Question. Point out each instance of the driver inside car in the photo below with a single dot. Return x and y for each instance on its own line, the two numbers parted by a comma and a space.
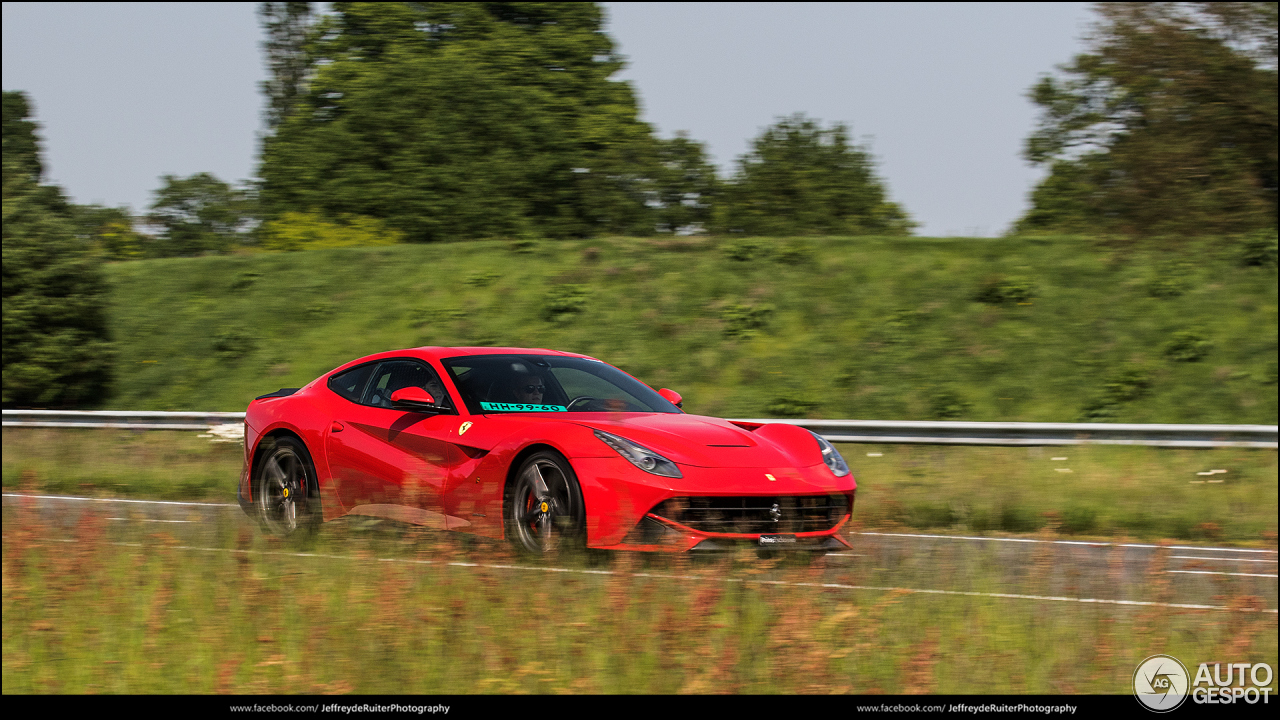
436, 390
529, 389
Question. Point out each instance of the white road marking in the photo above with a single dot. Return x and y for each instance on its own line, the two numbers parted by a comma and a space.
1219, 559
838, 586
704, 578
150, 520
1068, 542
1211, 572
118, 500
878, 534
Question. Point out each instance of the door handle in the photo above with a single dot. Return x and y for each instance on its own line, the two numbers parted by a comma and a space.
336, 426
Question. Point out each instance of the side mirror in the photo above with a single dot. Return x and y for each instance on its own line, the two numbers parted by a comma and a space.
413, 399
672, 397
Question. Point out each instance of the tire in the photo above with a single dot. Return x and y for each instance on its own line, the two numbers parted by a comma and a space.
285, 494
546, 523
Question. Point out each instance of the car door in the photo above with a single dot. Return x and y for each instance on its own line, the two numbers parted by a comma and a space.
386, 457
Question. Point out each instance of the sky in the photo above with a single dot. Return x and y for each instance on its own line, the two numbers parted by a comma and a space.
127, 92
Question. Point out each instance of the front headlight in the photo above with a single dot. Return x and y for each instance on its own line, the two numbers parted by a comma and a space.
640, 456
831, 457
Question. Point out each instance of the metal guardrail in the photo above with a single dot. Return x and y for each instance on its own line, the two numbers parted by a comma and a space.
850, 431
1038, 434
120, 419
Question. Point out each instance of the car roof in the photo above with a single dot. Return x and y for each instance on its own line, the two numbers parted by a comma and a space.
432, 352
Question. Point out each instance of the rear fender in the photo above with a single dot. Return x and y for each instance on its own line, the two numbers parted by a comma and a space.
267, 418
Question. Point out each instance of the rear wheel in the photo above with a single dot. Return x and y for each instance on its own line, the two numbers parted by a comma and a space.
545, 512
284, 489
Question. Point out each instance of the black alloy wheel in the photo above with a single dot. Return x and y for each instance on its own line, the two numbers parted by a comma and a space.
284, 489
545, 512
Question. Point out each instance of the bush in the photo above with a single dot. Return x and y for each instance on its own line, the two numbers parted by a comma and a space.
232, 345
564, 301
1099, 409
1001, 290
481, 278
1125, 385
1128, 384
1079, 519
1166, 286
308, 231
926, 515
846, 378
1015, 518
319, 309
980, 521
744, 249
1258, 249
1170, 279
796, 251
744, 320
947, 404
1187, 346
245, 279
523, 245
898, 327
789, 407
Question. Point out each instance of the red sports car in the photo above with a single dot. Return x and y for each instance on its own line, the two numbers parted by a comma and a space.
545, 448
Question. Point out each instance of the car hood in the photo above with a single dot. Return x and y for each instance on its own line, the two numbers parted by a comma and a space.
711, 442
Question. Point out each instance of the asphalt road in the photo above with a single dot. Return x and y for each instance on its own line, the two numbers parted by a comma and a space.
1030, 569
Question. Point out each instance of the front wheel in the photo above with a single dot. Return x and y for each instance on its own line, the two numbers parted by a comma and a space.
284, 489
545, 512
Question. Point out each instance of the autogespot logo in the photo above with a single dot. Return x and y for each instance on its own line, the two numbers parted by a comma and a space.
1160, 683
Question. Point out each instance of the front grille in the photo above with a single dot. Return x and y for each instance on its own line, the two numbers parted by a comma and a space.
755, 514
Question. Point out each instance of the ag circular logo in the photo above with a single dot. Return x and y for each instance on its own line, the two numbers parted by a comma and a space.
1161, 683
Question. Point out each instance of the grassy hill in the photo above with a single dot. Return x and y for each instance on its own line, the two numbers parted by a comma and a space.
1046, 329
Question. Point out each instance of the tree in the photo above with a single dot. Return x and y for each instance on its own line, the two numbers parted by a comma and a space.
56, 351
684, 184
199, 214
287, 25
1166, 125
464, 120
109, 231
21, 146
799, 178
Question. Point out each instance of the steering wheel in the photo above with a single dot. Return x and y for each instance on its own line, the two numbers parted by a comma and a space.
575, 401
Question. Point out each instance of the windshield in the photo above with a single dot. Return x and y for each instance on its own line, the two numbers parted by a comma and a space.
549, 383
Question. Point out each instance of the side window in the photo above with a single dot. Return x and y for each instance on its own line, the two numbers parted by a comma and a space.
395, 374
350, 384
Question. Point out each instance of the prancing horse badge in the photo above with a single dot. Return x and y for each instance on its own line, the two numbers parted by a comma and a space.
464, 427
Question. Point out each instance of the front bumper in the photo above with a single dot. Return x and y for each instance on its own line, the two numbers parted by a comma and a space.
658, 534
625, 506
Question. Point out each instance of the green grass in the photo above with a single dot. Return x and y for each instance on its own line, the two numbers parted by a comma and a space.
158, 465
1139, 492
87, 613
824, 327
1098, 490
